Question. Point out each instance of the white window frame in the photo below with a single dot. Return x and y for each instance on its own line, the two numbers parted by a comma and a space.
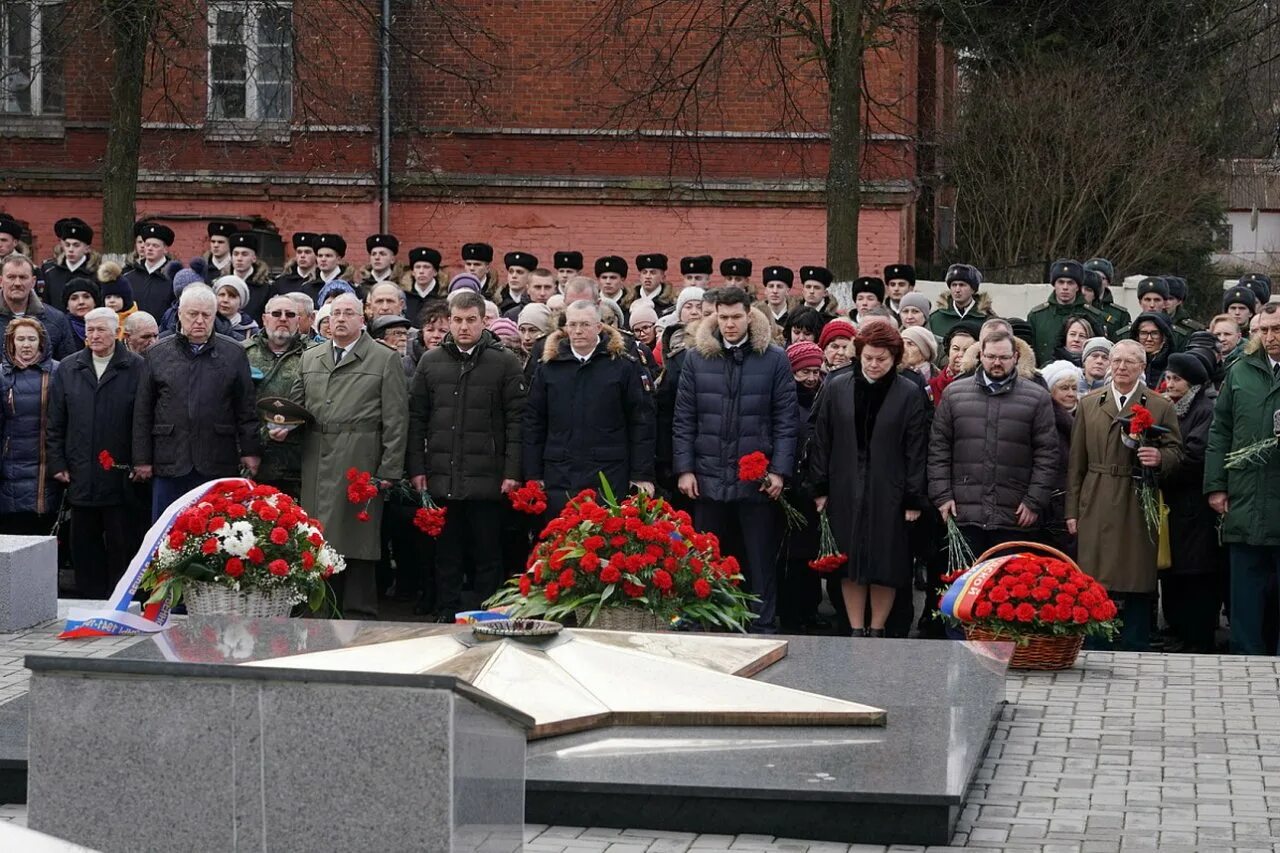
251, 9
37, 61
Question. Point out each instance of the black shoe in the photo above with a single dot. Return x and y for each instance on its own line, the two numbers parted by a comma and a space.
859, 632
875, 632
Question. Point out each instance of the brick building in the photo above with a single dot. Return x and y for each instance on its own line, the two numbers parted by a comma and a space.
504, 127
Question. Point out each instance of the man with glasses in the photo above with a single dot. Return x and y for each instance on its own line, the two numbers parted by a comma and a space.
1115, 544
275, 360
1248, 498
993, 451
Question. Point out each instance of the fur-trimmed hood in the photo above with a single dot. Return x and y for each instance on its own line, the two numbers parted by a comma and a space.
981, 298
364, 275
291, 268
1026, 359
90, 265
709, 344
612, 342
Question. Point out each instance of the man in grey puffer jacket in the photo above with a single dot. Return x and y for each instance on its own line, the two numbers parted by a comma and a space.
993, 451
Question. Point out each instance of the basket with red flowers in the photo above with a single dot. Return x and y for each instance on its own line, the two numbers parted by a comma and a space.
1037, 598
636, 556
245, 548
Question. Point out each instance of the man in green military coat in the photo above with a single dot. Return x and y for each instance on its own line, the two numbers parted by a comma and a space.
1248, 498
1183, 323
1046, 320
961, 301
354, 389
275, 361
1114, 315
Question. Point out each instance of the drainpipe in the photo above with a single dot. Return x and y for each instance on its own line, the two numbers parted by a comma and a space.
384, 141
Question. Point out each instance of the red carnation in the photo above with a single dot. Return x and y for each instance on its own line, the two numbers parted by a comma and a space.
526, 585
983, 610
610, 574
632, 590
279, 536
589, 562
256, 556
235, 567
552, 591
1080, 615
209, 546
1025, 612
278, 567
1005, 612
566, 579
1140, 421
177, 539
662, 580
362, 515
702, 588
105, 460
1048, 613
753, 467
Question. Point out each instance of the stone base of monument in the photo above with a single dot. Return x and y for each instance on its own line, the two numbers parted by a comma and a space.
125, 753
904, 783
28, 581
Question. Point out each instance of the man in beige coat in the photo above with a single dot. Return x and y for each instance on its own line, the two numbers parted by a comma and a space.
1103, 508
355, 391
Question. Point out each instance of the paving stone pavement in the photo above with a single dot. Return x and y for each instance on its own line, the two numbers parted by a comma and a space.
1123, 752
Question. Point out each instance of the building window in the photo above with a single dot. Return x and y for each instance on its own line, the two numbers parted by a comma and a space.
31, 56
250, 61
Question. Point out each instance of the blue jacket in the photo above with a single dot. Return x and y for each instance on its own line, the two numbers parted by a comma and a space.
731, 403
26, 480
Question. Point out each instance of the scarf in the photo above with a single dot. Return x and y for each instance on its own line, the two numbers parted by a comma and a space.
1181, 407
77, 327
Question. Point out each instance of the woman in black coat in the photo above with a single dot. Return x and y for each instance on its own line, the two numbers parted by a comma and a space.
88, 414
1190, 586
867, 460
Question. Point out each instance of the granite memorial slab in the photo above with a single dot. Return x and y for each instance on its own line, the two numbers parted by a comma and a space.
224, 757
28, 581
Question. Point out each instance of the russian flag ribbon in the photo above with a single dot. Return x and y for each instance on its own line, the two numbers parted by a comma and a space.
965, 591
116, 619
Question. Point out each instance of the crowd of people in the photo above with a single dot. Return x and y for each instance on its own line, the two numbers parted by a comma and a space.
904, 420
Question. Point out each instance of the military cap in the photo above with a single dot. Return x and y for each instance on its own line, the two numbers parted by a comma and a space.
73, 229
1153, 284
1093, 281
868, 284
568, 261
244, 240
524, 260
740, 267
379, 326
10, 227
1240, 295
1103, 266
305, 239
905, 272
611, 263
1067, 268
163, 233
782, 274
967, 273
282, 412
477, 252
1177, 286
383, 241
333, 241
1260, 284
222, 228
821, 274
695, 265
652, 261
424, 255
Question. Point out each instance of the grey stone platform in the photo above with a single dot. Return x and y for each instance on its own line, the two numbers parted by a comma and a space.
28, 581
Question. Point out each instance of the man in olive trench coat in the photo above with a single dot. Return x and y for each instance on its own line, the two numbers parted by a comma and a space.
354, 388
1103, 509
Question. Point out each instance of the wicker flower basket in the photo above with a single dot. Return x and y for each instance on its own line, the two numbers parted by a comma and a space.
1040, 652
206, 599
621, 619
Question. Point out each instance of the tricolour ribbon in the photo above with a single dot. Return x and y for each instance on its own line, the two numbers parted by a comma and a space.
965, 591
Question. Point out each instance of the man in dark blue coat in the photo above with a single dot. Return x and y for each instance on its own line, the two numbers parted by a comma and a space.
737, 396
590, 412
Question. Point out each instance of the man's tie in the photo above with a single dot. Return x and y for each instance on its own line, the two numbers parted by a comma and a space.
338, 353
1121, 402
1275, 370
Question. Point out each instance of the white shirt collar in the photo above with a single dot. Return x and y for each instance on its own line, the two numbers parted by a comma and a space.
226, 261
328, 278
965, 311
728, 345
651, 295
1127, 397
381, 277
430, 289
77, 264
157, 267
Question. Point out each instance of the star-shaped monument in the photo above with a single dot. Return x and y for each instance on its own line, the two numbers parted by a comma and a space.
582, 679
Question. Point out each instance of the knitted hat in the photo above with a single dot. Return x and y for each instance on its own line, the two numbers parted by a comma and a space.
804, 354
464, 281
118, 287
689, 294
642, 311
335, 288
1056, 371
837, 328
915, 299
1189, 367
535, 314
235, 282
923, 338
1095, 344
80, 284
321, 315
183, 278
504, 328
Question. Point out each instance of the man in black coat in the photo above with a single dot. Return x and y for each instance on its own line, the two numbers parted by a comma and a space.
195, 417
91, 412
737, 396
590, 412
151, 276
466, 404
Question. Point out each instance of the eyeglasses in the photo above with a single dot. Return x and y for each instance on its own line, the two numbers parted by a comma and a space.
1149, 333
1003, 359
282, 314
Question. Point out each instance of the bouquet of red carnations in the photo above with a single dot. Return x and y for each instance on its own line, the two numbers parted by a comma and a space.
362, 488
636, 553
529, 498
754, 468
829, 557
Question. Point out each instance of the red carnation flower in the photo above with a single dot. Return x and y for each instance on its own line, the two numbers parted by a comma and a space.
1025, 612
526, 585
983, 610
662, 580
552, 591
177, 539
279, 536
632, 590
362, 516
256, 556
610, 574
702, 588
209, 546
278, 567
1048, 613
234, 567
566, 579
753, 467
1005, 611
1080, 615
106, 461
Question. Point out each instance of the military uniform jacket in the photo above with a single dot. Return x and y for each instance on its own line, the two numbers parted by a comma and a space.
274, 376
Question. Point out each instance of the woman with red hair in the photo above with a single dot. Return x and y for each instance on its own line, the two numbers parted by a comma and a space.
867, 461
